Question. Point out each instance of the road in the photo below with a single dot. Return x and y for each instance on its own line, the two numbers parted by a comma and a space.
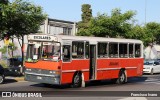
146, 83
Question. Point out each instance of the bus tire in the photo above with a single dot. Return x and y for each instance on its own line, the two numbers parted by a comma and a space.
77, 80
121, 78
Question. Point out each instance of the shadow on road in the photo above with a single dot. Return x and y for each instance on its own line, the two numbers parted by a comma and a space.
92, 83
52, 86
137, 79
7, 81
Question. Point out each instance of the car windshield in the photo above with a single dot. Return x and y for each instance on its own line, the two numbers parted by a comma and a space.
151, 63
148, 63
43, 50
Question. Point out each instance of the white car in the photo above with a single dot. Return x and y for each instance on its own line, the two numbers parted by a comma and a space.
151, 67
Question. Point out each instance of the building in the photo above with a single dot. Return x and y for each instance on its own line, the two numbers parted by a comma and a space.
49, 26
152, 52
55, 26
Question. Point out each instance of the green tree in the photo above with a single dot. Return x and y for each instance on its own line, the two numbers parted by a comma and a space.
22, 18
86, 17
152, 30
11, 47
3, 1
116, 25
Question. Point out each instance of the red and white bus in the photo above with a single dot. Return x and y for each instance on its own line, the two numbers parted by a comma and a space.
61, 59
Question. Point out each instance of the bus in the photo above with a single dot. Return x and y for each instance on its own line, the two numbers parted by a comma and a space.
62, 59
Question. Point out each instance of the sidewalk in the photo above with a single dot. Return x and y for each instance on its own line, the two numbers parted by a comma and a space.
18, 79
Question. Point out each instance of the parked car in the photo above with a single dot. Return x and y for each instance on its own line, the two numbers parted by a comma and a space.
2, 75
151, 67
14, 61
14, 66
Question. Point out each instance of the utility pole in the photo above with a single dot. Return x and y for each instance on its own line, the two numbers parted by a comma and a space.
145, 11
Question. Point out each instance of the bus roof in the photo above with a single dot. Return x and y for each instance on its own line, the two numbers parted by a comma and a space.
98, 39
88, 38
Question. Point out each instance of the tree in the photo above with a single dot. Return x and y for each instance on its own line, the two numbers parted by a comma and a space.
152, 30
2, 21
3, 1
22, 18
86, 17
11, 47
116, 25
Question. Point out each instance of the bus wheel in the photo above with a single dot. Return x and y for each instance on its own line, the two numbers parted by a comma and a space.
122, 77
77, 80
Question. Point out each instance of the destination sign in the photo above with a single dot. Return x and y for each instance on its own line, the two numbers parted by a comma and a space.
42, 38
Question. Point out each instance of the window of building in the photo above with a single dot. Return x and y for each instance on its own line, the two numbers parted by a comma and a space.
87, 50
131, 50
66, 53
123, 50
77, 50
113, 50
137, 50
102, 50
67, 31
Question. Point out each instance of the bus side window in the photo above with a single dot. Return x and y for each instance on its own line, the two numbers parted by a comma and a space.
131, 53
137, 50
66, 53
123, 50
87, 50
78, 50
113, 50
102, 50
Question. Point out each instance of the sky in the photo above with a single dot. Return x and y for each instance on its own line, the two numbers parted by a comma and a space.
70, 10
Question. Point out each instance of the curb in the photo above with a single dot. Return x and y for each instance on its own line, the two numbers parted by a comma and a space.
19, 79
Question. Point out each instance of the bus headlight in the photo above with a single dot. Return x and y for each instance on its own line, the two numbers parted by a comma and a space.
28, 69
55, 72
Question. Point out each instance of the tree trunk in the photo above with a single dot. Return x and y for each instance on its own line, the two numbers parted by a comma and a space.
22, 52
12, 42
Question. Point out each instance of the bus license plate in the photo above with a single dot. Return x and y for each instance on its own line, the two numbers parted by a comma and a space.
38, 77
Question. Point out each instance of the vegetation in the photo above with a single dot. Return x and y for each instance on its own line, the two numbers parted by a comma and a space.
116, 25
11, 47
3, 63
86, 17
20, 18
119, 25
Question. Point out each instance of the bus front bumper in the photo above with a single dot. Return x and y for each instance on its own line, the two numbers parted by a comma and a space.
41, 78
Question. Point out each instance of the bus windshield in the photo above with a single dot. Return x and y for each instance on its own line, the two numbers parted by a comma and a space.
44, 51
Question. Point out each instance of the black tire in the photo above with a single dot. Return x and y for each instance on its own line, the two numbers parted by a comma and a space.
2, 77
152, 71
122, 77
77, 80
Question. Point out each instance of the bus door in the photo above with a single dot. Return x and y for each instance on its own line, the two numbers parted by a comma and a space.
92, 70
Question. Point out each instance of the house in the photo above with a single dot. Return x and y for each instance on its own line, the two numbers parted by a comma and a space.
152, 52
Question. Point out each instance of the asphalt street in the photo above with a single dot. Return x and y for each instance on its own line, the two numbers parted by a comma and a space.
96, 89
